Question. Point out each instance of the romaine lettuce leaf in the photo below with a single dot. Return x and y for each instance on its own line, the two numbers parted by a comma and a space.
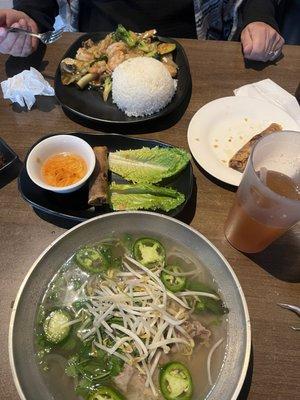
148, 165
144, 197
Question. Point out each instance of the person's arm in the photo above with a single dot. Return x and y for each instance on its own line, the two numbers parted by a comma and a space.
43, 12
260, 38
260, 11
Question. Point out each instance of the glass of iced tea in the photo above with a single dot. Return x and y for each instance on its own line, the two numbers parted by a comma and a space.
267, 202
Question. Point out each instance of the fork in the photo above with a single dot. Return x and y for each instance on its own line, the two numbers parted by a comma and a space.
47, 37
295, 309
290, 307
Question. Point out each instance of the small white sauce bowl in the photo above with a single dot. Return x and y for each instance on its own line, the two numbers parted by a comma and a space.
55, 145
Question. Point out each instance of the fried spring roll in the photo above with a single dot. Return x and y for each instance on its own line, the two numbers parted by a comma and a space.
99, 182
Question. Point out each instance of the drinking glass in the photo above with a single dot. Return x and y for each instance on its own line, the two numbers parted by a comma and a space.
267, 202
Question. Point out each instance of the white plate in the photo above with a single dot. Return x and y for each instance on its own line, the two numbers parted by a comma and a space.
223, 126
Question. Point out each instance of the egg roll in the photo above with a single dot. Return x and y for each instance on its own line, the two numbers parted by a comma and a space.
240, 158
99, 181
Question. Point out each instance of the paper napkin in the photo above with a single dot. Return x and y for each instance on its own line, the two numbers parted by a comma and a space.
22, 88
269, 91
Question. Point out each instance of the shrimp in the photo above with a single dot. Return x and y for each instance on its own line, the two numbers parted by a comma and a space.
171, 69
116, 53
116, 47
170, 65
105, 43
98, 67
84, 55
115, 60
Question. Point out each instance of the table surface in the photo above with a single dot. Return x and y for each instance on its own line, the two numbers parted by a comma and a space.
267, 278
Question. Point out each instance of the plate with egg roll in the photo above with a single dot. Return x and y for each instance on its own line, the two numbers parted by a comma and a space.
223, 132
130, 174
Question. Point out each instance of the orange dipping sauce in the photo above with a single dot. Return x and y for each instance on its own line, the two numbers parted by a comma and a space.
63, 169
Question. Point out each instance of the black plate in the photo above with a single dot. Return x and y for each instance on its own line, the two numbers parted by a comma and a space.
88, 104
73, 207
10, 157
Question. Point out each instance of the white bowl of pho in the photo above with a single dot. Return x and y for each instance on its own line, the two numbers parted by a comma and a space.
130, 305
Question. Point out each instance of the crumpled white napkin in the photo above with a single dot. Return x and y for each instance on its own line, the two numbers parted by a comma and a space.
22, 88
273, 93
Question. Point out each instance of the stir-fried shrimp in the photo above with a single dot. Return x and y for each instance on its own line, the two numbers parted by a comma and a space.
84, 55
103, 44
116, 54
116, 48
170, 65
115, 60
171, 69
95, 61
98, 67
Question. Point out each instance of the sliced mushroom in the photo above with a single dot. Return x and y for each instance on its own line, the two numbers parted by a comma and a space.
68, 65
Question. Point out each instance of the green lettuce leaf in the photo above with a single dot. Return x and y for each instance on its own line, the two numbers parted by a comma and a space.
148, 165
144, 197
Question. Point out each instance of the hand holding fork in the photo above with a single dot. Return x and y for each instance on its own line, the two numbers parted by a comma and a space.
19, 34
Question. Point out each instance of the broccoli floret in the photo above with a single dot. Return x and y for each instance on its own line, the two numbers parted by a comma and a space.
126, 36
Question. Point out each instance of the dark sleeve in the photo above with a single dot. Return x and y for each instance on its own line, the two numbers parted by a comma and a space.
43, 12
260, 11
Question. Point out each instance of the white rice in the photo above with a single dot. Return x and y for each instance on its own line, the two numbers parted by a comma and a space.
142, 86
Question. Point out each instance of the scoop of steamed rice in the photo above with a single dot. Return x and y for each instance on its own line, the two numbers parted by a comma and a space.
142, 86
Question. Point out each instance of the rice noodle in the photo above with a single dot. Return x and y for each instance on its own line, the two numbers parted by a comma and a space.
194, 293
122, 274
173, 273
183, 256
210, 354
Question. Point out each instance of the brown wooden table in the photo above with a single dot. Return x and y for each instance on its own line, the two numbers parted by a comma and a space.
268, 278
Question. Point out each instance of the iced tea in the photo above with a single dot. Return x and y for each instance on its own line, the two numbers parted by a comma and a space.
268, 201
247, 233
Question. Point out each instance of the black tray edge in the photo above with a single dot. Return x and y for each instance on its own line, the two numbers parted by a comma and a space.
14, 155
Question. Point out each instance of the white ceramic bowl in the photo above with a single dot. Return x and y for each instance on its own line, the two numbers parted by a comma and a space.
54, 145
